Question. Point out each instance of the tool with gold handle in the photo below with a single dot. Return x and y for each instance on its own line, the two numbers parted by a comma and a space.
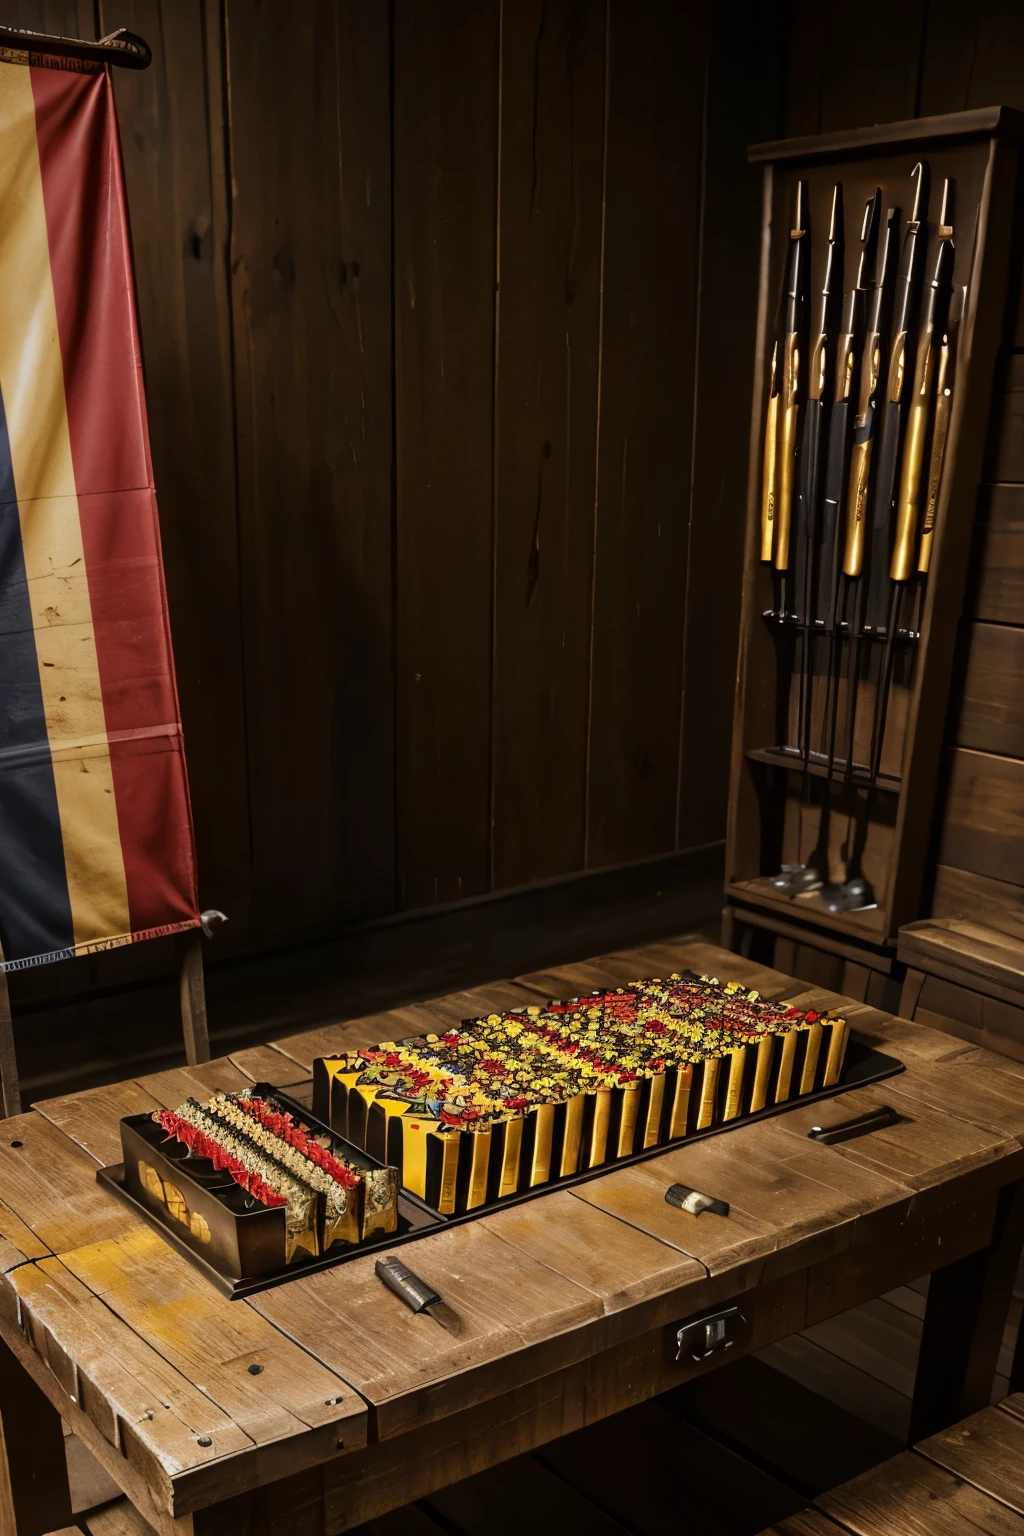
902, 564
865, 419
860, 472
790, 388
831, 582
894, 408
830, 574
771, 430
793, 878
944, 371
855, 891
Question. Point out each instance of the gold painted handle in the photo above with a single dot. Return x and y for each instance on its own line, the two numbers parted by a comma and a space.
817, 370
860, 461
897, 358
844, 366
857, 507
943, 410
907, 504
787, 450
768, 479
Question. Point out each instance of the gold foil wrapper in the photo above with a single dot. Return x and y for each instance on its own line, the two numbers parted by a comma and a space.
544, 1122
380, 1201
341, 1217
508, 1181
655, 1109
458, 1170
708, 1093
572, 1141
627, 1119
480, 1157
785, 1079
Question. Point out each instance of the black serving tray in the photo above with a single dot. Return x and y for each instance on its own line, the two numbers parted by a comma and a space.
416, 1219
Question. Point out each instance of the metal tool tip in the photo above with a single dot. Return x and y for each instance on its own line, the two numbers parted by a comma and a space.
800, 213
944, 215
871, 211
918, 172
835, 209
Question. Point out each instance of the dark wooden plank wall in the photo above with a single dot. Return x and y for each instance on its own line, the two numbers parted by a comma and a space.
443, 304
946, 56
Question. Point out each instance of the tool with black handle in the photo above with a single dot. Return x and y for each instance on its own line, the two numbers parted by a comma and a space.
836, 464
795, 878
416, 1293
855, 892
865, 420
879, 1119
901, 364
827, 608
902, 564
864, 426
855, 530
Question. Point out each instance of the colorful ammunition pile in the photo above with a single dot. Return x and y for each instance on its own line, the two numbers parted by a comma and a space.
510, 1101
281, 1162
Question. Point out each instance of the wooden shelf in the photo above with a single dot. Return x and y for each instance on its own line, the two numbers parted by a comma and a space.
885, 829
870, 924
790, 759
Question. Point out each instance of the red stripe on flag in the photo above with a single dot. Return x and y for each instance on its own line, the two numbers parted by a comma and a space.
90, 263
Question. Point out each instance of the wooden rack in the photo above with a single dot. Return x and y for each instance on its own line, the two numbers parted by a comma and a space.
773, 819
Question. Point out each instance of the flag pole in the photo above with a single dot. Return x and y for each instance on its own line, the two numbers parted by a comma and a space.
119, 47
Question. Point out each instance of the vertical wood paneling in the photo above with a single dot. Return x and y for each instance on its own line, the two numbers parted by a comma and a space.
991, 35
651, 248
806, 27
174, 149
552, 135
983, 823
445, 210
975, 57
945, 56
996, 591
384, 485
311, 295
742, 108
64, 18
950, 54
991, 714
876, 84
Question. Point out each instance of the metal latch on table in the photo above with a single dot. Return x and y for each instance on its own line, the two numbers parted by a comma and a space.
712, 1334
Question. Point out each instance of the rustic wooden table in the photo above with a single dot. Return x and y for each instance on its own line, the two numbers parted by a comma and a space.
324, 1402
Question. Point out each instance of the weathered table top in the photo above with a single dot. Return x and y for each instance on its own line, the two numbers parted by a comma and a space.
161, 1371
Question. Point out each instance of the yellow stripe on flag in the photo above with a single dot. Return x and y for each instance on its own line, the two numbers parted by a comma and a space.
32, 384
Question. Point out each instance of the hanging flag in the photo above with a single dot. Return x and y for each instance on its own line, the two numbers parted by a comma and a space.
96, 845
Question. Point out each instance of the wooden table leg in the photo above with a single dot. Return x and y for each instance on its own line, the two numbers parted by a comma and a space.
193, 998
968, 1303
34, 1493
10, 1090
